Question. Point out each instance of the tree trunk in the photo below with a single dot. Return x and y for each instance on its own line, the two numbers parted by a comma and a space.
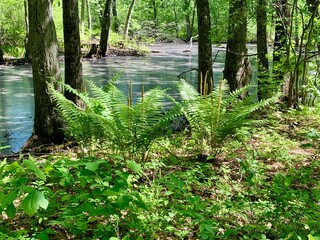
176, 18
237, 66
264, 86
105, 28
115, 25
89, 19
279, 47
45, 68
93, 51
205, 74
126, 26
72, 51
83, 7
27, 54
155, 14
189, 21
1, 51
282, 49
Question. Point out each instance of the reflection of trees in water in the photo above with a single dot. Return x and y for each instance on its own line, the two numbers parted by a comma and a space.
157, 70
16, 102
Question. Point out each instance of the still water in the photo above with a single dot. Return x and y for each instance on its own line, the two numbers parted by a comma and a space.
159, 69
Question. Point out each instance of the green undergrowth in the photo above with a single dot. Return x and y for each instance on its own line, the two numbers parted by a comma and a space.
263, 185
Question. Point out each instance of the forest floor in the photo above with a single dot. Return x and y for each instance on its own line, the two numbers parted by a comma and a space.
263, 184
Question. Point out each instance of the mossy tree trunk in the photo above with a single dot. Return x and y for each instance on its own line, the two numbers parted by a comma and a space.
72, 50
237, 66
280, 46
45, 69
264, 84
205, 74
105, 28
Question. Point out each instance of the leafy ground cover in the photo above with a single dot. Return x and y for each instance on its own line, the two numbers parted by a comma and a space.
263, 184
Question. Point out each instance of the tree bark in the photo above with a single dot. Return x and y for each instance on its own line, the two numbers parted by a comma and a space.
279, 47
45, 69
126, 26
155, 14
237, 65
105, 28
27, 53
205, 74
1, 51
115, 25
72, 50
89, 19
264, 88
189, 20
83, 7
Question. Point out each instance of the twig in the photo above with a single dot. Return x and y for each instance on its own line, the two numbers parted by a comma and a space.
189, 70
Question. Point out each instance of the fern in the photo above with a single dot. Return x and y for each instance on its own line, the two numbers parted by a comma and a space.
214, 117
111, 119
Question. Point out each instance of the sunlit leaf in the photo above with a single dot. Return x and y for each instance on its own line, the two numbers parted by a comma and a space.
135, 167
92, 166
310, 237
33, 201
34, 168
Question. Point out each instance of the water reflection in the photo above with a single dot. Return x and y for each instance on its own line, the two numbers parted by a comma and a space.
16, 106
157, 70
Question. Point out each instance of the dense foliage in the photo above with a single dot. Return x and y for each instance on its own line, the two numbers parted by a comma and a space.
263, 185
151, 21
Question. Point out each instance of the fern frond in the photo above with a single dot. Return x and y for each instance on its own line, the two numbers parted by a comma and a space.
187, 91
212, 118
110, 120
69, 110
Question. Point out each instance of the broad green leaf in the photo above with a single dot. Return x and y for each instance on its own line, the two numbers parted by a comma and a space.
27, 189
287, 181
123, 201
43, 236
110, 192
65, 198
33, 167
48, 169
33, 201
13, 167
310, 237
11, 211
92, 166
135, 167
7, 200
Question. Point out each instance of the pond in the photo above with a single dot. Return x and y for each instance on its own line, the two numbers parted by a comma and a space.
159, 69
